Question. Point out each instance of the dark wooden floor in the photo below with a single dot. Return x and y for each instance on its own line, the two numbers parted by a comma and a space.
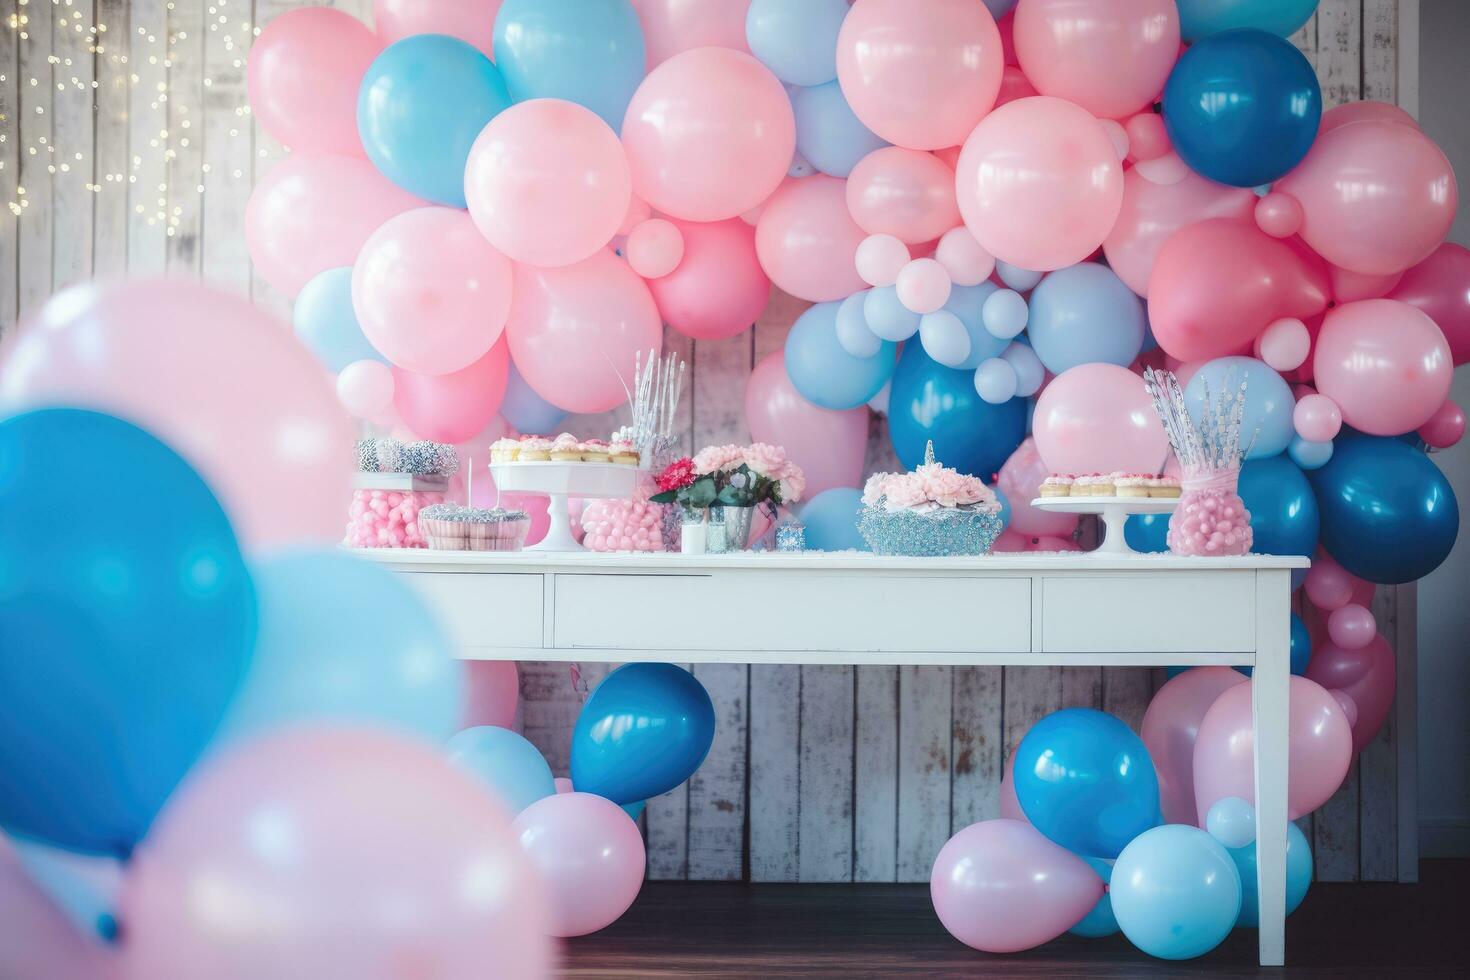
702, 929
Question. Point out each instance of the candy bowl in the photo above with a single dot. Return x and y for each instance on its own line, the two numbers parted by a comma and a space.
450, 527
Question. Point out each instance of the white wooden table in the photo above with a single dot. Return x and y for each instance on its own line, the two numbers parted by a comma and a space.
849, 608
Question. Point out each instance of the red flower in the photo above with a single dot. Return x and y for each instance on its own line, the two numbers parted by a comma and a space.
679, 474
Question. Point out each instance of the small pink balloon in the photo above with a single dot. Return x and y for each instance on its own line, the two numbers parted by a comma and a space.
905, 193
1147, 138
718, 288
1445, 427
472, 21
1349, 287
1151, 212
365, 388
923, 286
1285, 344
1020, 480
1317, 418
1350, 112
1349, 706
807, 241
655, 248
1168, 168
637, 213
965, 259
492, 692
303, 75
1366, 674
1278, 215
1096, 418
1352, 627
828, 445
1001, 887
589, 855
1170, 727
1385, 363
452, 407
1438, 287
1117, 135
1329, 586
880, 258
672, 26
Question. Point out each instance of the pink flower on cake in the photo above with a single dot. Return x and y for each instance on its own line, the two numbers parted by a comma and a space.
766, 460
905, 490
950, 488
875, 488
712, 459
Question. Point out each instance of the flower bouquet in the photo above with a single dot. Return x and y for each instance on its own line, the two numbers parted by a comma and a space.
931, 512
733, 480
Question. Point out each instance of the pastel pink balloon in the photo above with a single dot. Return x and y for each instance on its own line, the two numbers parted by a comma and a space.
1001, 887
1350, 112
807, 241
1096, 418
923, 286
709, 134
563, 784
718, 289
966, 261
1050, 543
828, 445
36, 937
1385, 364
1445, 427
1329, 586
1020, 480
1148, 139
1110, 58
222, 382
1279, 215
365, 388
1170, 727
901, 192
1039, 183
1320, 748
452, 407
492, 693
1151, 212
1377, 196
1366, 674
472, 21
576, 330
880, 258
547, 182
336, 852
919, 75
1285, 344
1348, 287
312, 213
1013, 86
1168, 168
589, 855
1352, 627
429, 292
1440, 286
303, 75
1317, 418
672, 26
655, 248
1349, 706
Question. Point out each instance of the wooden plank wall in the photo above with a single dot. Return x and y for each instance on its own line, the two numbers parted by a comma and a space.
126, 146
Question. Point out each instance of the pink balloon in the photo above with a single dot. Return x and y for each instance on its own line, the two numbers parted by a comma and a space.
807, 241
828, 445
1285, 344
365, 388
1096, 418
1279, 215
472, 21
919, 75
588, 853
313, 213
655, 248
563, 784
1013, 86
672, 26
1440, 286
1350, 112
1445, 427
1377, 196
1317, 418
1049, 543
429, 292
336, 852
1348, 287
452, 407
966, 261
575, 330
1217, 283
923, 286
1367, 675
303, 75
221, 381
905, 193
1110, 58
718, 288
492, 693
709, 134
1039, 183
1329, 586
1352, 627
880, 258
1320, 749
547, 182
1170, 727
1384, 363
1020, 480
1151, 212
1149, 140
536, 506
36, 937
1001, 887
1348, 705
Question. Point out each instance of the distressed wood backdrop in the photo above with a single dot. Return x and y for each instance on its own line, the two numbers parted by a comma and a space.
126, 147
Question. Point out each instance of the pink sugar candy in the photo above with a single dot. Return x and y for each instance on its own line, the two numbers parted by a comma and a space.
394, 499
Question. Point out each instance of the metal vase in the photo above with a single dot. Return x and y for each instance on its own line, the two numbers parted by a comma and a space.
737, 528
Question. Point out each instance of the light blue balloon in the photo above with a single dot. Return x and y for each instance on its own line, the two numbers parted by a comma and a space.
505, 763
1307, 454
422, 103
1005, 314
1030, 372
326, 323
1084, 314
800, 166
585, 51
831, 520
796, 39
1232, 822
944, 337
1017, 278
852, 328
1100, 921
525, 409
824, 373
1268, 401
83, 886
968, 303
1298, 876
996, 381
1201, 18
1005, 505
1176, 892
887, 317
828, 132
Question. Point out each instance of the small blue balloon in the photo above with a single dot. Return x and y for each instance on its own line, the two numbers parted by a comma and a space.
823, 372
930, 401
1309, 455
796, 39
1084, 314
525, 409
1085, 780
996, 381
585, 51
852, 328
831, 520
422, 103
945, 338
1268, 401
1100, 921
1005, 505
887, 317
968, 304
1030, 372
1283, 509
1201, 18
1232, 822
1298, 876
1005, 314
327, 324
1017, 278
1301, 650
828, 132
1176, 892
645, 729
505, 763
1147, 533
1242, 108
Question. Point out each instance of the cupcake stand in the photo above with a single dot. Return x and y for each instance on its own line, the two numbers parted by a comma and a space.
1114, 512
560, 481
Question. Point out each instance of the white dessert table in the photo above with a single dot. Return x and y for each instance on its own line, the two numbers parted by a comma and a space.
1023, 609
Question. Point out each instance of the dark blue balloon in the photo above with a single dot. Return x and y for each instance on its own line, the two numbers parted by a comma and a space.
1284, 519
644, 730
126, 624
930, 401
1301, 650
1242, 107
1147, 532
1086, 781
1388, 513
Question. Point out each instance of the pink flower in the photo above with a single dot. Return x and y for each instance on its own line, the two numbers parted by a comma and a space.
905, 490
678, 474
873, 490
712, 459
950, 488
766, 460
793, 485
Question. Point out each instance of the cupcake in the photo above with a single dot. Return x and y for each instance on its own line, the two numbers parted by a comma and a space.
1131, 484
1102, 486
595, 451
621, 451
1163, 486
566, 448
534, 449
504, 450
451, 527
1057, 485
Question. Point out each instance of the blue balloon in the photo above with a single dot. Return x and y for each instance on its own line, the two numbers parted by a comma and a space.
634, 810
1242, 108
1388, 513
968, 303
1147, 533
1084, 314
585, 51
344, 640
828, 132
1301, 650
1232, 822
831, 520
887, 317
1268, 401
1085, 780
1005, 505
124, 639
422, 103
1100, 921
1176, 892
999, 8
796, 39
505, 763
1298, 876
83, 886
930, 401
327, 324
823, 372
852, 327
645, 729
525, 409
1201, 18
1309, 455
1283, 508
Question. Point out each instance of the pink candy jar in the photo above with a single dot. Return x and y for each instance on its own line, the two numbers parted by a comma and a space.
384, 512
1211, 519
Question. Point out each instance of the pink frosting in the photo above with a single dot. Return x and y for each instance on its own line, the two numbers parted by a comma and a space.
765, 459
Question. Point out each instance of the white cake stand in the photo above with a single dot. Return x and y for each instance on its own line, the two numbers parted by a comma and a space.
1114, 512
560, 481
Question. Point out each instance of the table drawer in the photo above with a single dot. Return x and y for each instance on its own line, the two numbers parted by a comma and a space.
767, 610
1181, 612
481, 611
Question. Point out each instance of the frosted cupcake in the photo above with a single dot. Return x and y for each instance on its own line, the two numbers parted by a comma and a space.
595, 451
1163, 486
566, 448
1057, 485
1132, 484
504, 450
534, 449
621, 451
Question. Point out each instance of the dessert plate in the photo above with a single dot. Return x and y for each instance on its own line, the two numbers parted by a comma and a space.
1114, 512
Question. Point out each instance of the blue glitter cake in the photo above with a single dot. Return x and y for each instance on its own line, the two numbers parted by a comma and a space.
932, 512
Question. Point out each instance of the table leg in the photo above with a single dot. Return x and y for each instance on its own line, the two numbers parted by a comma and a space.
1270, 700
